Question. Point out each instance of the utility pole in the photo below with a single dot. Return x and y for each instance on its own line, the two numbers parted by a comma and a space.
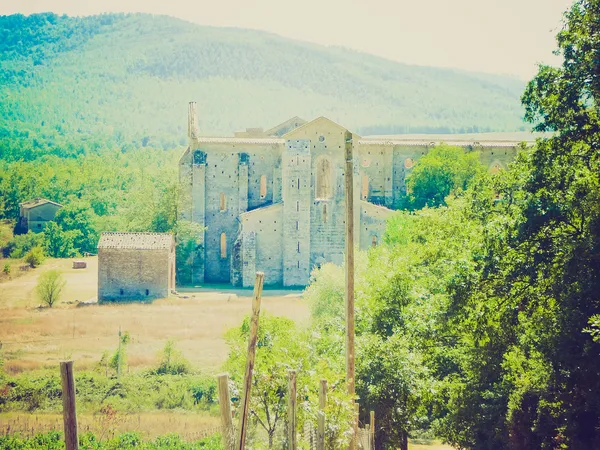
350, 323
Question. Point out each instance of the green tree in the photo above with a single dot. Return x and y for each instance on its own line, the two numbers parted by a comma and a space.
60, 243
442, 171
49, 287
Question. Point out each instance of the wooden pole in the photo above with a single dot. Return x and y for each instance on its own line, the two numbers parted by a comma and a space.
350, 324
225, 407
245, 406
69, 410
292, 444
372, 422
321, 421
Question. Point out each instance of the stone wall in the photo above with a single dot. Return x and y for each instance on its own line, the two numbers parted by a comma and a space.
131, 274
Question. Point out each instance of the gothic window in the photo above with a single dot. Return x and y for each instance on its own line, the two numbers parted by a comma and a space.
223, 246
365, 187
223, 202
374, 241
323, 179
263, 186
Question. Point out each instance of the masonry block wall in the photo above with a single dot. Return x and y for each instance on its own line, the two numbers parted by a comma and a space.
134, 274
275, 203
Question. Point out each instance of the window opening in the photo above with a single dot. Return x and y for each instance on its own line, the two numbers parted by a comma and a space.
365, 187
263, 186
223, 246
323, 179
223, 202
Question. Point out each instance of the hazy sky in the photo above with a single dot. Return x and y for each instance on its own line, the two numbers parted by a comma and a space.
497, 36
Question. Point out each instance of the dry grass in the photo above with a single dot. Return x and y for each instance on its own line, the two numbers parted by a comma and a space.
434, 446
190, 426
35, 338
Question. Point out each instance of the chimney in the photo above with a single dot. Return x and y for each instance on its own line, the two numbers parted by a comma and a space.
192, 121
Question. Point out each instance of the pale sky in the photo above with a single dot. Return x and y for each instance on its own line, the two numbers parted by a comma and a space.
494, 36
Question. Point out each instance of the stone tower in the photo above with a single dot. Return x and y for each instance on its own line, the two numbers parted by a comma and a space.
296, 162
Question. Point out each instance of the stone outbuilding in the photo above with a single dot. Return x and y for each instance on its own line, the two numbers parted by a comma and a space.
135, 266
35, 214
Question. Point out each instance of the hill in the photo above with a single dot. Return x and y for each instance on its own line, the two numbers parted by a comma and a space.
72, 85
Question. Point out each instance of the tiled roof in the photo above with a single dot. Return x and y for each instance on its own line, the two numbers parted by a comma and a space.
427, 143
138, 241
37, 202
233, 140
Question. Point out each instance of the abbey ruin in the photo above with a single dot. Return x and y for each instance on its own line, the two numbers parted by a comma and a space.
274, 200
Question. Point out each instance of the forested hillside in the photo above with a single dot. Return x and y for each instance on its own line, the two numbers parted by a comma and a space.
77, 85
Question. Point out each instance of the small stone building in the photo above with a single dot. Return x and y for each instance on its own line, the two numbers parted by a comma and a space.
135, 266
35, 214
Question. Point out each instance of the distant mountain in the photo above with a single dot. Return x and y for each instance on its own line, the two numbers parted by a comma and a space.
70, 85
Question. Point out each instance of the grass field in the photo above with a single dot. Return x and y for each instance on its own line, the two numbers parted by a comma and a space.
36, 337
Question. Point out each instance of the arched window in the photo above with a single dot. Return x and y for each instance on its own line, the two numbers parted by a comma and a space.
365, 187
223, 202
263, 186
297, 205
223, 246
374, 241
323, 179
325, 213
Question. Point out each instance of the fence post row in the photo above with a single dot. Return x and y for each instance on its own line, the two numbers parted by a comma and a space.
258, 287
69, 410
225, 408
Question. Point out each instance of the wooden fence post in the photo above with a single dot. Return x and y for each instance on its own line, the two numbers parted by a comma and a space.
245, 406
349, 262
321, 421
372, 421
292, 444
69, 410
225, 407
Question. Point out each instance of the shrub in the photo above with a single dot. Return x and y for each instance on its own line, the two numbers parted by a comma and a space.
6, 269
35, 256
49, 287
172, 361
21, 244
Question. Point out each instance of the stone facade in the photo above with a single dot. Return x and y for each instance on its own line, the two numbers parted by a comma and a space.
274, 201
135, 266
35, 214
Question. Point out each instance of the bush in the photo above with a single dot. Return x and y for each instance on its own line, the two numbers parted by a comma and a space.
35, 256
20, 245
172, 361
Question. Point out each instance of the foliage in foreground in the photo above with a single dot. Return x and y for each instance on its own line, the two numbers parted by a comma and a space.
126, 441
281, 347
